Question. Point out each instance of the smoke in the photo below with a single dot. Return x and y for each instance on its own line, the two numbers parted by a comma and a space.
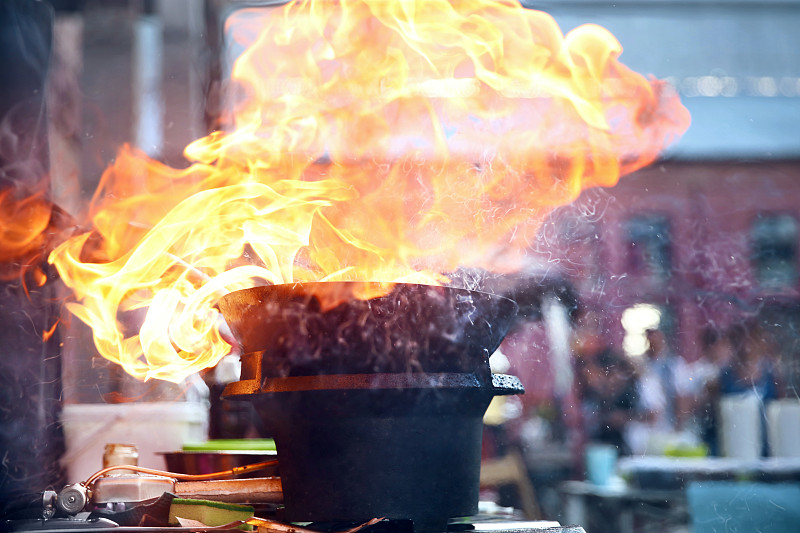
25, 37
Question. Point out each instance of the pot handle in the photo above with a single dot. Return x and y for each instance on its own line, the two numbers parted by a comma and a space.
504, 385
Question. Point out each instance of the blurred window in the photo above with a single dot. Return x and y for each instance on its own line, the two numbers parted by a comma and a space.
649, 246
774, 250
782, 321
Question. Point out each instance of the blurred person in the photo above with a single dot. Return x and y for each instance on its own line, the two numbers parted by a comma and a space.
610, 399
754, 369
667, 369
604, 384
588, 339
662, 403
753, 366
715, 353
701, 385
588, 342
593, 364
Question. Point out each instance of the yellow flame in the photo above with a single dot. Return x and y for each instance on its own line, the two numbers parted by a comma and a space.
372, 141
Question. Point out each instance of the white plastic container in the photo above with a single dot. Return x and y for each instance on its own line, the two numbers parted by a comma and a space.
741, 429
783, 427
152, 427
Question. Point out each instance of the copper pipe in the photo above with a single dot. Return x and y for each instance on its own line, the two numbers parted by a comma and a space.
185, 477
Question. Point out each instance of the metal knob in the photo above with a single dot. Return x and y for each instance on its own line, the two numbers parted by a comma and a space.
73, 498
49, 499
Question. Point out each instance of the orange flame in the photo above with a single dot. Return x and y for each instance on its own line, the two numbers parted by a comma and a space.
26, 232
372, 141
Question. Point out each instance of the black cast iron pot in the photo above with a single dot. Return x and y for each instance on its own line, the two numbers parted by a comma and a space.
381, 421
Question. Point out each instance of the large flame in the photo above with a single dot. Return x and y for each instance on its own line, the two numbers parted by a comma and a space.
372, 140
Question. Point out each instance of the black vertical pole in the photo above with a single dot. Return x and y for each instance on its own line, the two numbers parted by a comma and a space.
31, 441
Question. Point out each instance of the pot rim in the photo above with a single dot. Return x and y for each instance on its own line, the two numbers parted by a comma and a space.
501, 384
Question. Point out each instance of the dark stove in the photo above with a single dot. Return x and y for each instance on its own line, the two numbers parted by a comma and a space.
376, 406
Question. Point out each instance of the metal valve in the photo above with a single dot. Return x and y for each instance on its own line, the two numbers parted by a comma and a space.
73, 498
